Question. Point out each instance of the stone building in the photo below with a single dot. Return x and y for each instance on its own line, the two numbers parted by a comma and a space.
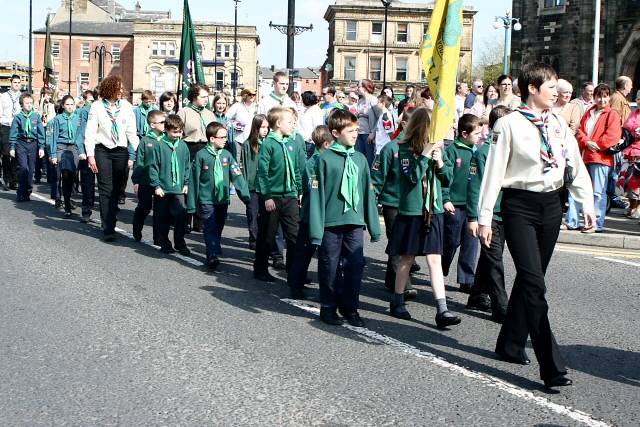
8, 69
560, 33
356, 42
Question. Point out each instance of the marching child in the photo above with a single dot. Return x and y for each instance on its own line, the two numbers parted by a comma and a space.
386, 125
454, 198
142, 111
65, 144
342, 203
280, 189
249, 164
170, 171
212, 171
488, 291
26, 141
87, 177
418, 227
322, 139
141, 177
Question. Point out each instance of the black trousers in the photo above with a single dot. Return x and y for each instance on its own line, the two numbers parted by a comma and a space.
456, 235
286, 214
304, 251
489, 277
145, 204
9, 164
168, 211
532, 224
88, 187
252, 216
389, 213
112, 167
26, 153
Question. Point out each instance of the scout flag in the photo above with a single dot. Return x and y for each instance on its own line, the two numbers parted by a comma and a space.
440, 54
190, 67
48, 78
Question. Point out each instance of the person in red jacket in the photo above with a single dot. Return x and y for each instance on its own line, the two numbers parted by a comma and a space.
600, 128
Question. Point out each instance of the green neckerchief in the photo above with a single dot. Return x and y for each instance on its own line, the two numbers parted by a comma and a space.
145, 111
349, 184
152, 134
175, 169
461, 144
280, 99
288, 162
199, 111
27, 127
218, 176
70, 129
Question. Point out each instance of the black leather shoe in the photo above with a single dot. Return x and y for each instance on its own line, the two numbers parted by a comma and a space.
399, 311
184, 251
330, 317
121, 200
465, 288
415, 267
410, 294
498, 317
278, 264
443, 321
252, 246
264, 277
58, 204
213, 262
109, 238
167, 250
353, 319
506, 358
479, 302
559, 381
297, 293
137, 236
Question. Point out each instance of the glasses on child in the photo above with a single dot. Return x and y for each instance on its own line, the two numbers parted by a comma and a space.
222, 137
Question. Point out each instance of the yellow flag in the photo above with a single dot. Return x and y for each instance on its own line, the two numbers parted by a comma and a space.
440, 54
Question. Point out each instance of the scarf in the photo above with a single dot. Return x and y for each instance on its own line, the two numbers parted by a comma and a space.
71, 130
175, 169
280, 99
145, 112
27, 126
349, 184
540, 121
288, 162
198, 110
113, 116
151, 134
218, 176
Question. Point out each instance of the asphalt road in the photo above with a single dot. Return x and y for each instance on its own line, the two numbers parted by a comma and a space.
118, 334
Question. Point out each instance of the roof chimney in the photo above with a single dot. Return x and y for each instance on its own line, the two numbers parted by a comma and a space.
138, 7
273, 68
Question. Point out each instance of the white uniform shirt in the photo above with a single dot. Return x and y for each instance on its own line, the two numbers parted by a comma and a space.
239, 112
10, 107
98, 130
309, 121
268, 102
514, 162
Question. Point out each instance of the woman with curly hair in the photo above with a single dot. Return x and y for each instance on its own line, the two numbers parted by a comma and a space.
110, 129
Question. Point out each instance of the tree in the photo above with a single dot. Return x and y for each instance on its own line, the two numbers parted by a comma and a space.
488, 59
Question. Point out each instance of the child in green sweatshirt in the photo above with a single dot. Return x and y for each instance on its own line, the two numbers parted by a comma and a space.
169, 174
454, 197
249, 164
342, 203
214, 168
141, 178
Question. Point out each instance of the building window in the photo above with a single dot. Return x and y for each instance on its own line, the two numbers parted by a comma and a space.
219, 80
163, 49
200, 49
84, 78
115, 52
553, 3
401, 69
234, 79
237, 52
403, 35
55, 49
227, 51
170, 79
376, 32
218, 51
350, 68
84, 51
423, 76
375, 68
352, 30
157, 85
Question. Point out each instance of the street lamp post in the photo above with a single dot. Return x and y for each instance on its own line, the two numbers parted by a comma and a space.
507, 22
30, 44
386, 4
235, 52
70, 20
99, 53
215, 62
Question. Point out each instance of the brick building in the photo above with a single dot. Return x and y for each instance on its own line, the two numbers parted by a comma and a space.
304, 79
560, 33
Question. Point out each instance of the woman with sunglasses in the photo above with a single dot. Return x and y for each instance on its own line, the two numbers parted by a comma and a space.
506, 96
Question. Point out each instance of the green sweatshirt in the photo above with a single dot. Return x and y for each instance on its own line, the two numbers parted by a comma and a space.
457, 169
271, 176
309, 176
327, 206
385, 177
412, 171
202, 189
249, 164
160, 168
144, 158
476, 172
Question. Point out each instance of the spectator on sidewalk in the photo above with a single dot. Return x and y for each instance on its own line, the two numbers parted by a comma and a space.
507, 97
585, 101
570, 112
476, 92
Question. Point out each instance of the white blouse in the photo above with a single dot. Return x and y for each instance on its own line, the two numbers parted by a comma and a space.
98, 130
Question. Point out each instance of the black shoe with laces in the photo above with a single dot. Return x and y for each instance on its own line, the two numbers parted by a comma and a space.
353, 319
213, 262
330, 317
167, 250
58, 204
479, 302
264, 277
278, 264
184, 251
297, 293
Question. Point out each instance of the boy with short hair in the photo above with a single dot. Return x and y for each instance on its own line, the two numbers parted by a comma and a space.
26, 141
142, 111
279, 186
454, 198
87, 177
212, 171
322, 139
342, 202
141, 178
169, 174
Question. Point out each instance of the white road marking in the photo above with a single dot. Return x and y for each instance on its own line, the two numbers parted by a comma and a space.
620, 261
574, 414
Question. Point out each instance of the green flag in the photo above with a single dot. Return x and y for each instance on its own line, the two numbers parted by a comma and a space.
190, 63
48, 78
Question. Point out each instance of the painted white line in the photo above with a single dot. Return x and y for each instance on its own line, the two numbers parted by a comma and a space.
620, 261
574, 414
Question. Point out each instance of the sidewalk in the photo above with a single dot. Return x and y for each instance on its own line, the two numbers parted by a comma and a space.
619, 232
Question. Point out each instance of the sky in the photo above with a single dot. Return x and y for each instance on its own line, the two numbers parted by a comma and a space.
310, 50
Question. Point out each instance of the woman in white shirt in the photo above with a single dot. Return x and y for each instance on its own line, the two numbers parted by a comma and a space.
531, 151
110, 129
240, 116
